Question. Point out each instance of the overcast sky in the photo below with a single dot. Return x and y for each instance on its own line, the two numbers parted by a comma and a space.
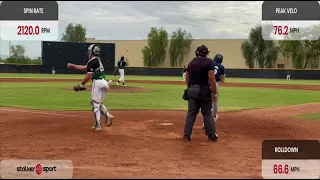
132, 20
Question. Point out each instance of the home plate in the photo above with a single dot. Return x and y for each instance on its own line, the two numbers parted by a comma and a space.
165, 124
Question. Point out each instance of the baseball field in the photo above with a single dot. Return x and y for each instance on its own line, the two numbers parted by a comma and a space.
43, 118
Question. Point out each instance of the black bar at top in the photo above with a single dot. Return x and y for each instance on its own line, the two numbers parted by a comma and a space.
285, 149
15, 10
306, 10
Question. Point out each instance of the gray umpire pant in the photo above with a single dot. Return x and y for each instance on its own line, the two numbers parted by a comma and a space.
194, 106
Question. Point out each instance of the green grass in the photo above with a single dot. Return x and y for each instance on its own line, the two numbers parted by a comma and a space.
315, 116
80, 76
50, 96
273, 81
162, 78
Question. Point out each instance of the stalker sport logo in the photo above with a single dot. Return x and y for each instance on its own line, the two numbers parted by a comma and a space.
38, 169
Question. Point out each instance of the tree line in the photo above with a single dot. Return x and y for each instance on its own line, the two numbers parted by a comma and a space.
154, 54
18, 56
263, 53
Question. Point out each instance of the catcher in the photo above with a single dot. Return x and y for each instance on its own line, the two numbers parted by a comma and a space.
95, 72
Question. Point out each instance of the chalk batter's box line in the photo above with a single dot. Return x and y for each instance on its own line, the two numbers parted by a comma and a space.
39, 112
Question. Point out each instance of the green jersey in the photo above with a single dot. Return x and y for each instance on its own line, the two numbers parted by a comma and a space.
95, 66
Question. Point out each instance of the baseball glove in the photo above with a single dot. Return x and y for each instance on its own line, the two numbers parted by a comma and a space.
79, 88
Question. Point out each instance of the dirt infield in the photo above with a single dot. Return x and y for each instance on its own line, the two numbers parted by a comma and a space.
114, 88
228, 84
138, 146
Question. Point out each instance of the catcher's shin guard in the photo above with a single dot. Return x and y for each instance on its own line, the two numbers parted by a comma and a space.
105, 112
96, 113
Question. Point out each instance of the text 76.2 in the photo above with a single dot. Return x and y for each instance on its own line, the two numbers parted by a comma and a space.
279, 30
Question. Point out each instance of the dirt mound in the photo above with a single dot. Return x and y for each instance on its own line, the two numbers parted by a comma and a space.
228, 84
114, 88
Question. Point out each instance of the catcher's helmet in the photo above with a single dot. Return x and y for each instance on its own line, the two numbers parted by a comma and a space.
218, 58
203, 50
93, 49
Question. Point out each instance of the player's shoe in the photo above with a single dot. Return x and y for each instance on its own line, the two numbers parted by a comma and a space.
109, 120
186, 138
96, 129
213, 137
124, 85
117, 84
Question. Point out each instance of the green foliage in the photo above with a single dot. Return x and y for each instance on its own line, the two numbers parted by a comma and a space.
36, 61
26, 60
18, 56
147, 57
179, 46
18, 51
294, 51
247, 50
155, 53
258, 51
303, 53
74, 33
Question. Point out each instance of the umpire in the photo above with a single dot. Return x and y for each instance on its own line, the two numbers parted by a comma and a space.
201, 82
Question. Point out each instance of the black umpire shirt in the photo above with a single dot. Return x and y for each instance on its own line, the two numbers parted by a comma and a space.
198, 70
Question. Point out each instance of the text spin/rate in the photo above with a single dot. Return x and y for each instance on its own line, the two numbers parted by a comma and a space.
29, 20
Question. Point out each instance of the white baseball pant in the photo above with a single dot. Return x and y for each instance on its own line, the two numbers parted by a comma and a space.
215, 103
288, 77
121, 72
99, 89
